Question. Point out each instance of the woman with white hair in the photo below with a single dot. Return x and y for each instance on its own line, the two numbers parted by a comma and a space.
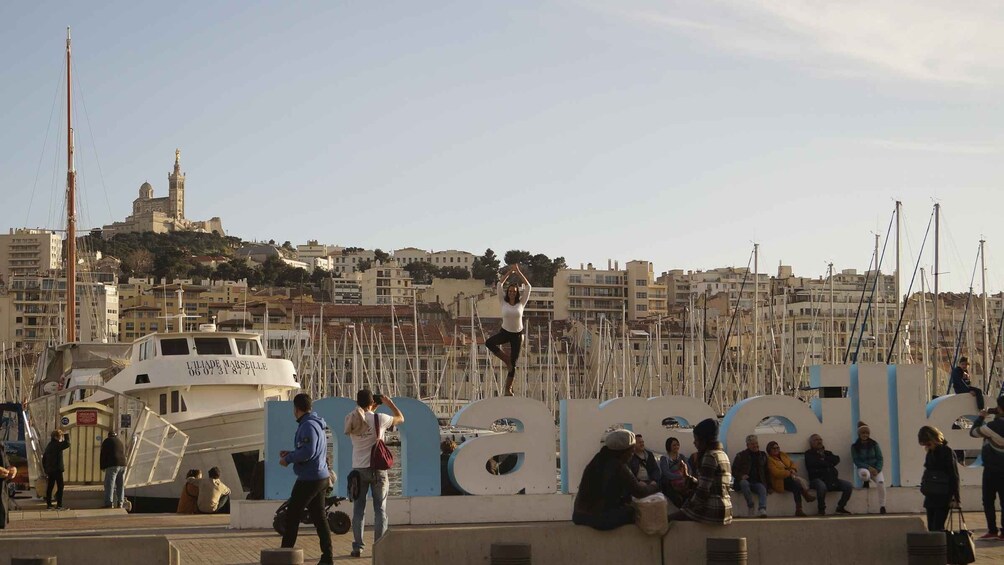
604, 498
868, 462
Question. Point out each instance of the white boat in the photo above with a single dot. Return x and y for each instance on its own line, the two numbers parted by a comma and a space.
210, 385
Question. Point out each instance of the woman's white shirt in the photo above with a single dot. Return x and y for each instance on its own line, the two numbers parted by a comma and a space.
512, 314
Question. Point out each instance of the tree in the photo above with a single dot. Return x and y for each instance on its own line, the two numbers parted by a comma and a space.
381, 255
139, 262
486, 267
421, 271
453, 273
523, 258
288, 246
364, 265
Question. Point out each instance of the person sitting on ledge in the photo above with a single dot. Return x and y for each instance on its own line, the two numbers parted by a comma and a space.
784, 477
961, 383
188, 502
604, 498
711, 502
749, 470
674, 469
213, 494
822, 467
868, 462
643, 463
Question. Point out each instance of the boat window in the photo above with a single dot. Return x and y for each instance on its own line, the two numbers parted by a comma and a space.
212, 346
175, 398
143, 379
177, 346
248, 347
144, 350
163, 404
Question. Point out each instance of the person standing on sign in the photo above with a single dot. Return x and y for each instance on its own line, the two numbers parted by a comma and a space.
53, 465
113, 464
365, 427
513, 302
310, 463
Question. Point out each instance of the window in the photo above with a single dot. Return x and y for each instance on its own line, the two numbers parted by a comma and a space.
248, 347
163, 404
641, 295
175, 401
143, 379
640, 282
212, 346
641, 307
176, 346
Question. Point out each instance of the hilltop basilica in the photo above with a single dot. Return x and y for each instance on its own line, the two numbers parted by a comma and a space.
165, 214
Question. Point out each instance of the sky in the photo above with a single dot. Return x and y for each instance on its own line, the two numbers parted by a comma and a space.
676, 132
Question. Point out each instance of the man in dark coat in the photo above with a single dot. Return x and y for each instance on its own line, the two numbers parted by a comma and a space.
749, 475
822, 467
113, 464
52, 464
644, 464
991, 431
961, 383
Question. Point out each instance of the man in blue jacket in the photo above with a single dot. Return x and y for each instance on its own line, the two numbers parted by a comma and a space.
992, 433
961, 383
310, 463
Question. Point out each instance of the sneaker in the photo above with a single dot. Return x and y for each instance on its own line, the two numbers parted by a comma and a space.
1001, 538
326, 561
749, 511
989, 536
867, 484
61, 508
842, 510
822, 511
882, 510
800, 513
356, 553
763, 512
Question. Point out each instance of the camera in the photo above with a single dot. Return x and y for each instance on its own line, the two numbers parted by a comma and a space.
378, 398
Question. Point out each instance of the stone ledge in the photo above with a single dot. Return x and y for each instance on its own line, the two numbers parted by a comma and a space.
94, 550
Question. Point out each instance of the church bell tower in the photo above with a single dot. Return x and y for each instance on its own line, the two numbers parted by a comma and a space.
176, 188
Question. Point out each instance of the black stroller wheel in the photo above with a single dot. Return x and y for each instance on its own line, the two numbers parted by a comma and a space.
339, 522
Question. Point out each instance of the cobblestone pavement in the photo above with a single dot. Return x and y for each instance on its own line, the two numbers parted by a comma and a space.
207, 540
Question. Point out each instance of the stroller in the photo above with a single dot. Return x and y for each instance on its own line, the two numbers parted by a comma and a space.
338, 521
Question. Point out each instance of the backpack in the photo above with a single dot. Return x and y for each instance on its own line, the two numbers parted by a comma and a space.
381, 458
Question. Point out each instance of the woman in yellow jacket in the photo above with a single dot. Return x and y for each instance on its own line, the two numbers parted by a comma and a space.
784, 477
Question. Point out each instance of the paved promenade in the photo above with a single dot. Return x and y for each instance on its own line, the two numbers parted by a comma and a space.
206, 539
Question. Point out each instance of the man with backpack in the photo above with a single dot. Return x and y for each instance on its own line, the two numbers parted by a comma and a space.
366, 428
310, 463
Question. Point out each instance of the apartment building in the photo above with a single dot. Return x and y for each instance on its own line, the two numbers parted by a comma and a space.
149, 305
29, 252
34, 311
680, 285
345, 289
448, 258
589, 294
346, 262
386, 283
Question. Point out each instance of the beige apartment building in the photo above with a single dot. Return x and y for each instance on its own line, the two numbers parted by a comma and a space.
447, 258
682, 285
346, 263
26, 251
589, 294
386, 283
33, 310
149, 306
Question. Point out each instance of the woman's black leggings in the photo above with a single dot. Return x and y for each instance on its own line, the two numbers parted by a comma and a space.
514, 339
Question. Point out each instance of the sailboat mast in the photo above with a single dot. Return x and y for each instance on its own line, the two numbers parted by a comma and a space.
756, 318
986, 317
899, 293
71, 218
937, 336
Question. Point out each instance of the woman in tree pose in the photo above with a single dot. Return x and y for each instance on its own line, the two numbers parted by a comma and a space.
513, 302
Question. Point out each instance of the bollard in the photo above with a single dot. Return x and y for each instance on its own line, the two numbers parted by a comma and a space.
284, 556
34, 560
926, 548
510, 554
727, 551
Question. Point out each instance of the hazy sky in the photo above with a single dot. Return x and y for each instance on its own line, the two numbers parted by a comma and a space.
678, 132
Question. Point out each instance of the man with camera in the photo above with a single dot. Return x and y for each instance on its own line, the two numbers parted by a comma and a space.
992, 433
365, 427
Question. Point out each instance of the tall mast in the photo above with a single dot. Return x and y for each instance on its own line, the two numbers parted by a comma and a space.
899, 294
756, 318
937, 336
986, 318
71, 217
923, 324
833, 327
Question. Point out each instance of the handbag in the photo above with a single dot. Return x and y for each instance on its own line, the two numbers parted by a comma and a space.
381, 458
935, 483
959, 542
